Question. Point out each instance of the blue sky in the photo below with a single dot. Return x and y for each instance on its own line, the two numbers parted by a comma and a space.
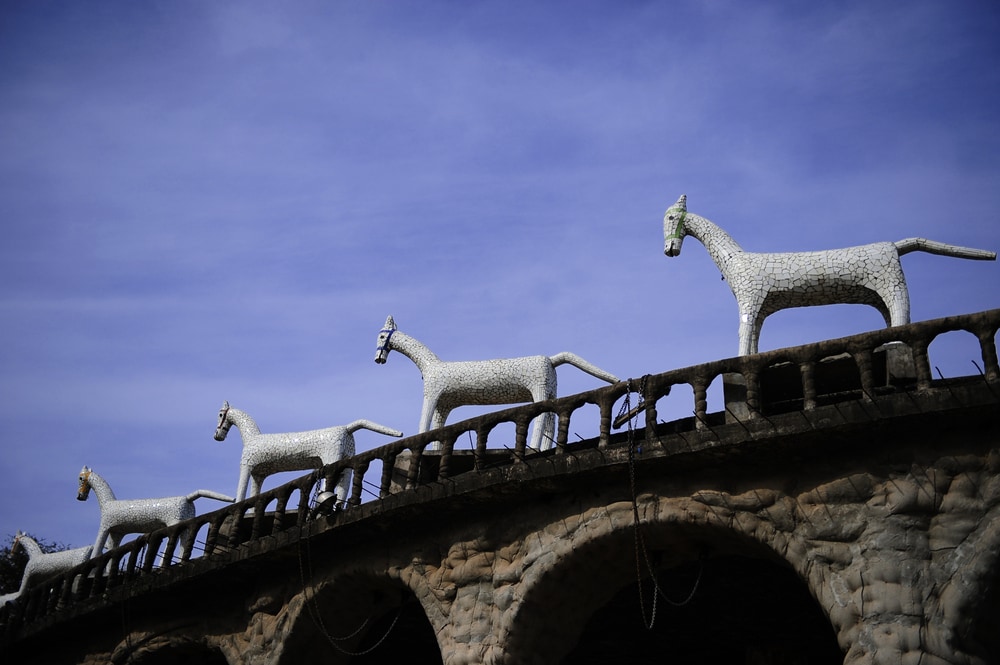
223, 201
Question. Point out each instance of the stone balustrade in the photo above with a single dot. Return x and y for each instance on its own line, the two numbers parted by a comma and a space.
277, 516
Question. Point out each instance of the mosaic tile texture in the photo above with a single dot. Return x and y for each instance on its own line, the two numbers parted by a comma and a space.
267, 454
42, 565
448, 385
765, 283
124, 516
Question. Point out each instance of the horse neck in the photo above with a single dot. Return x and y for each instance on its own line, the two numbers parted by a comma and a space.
101, 489
720, 245
421, 356
246, 424
30, 546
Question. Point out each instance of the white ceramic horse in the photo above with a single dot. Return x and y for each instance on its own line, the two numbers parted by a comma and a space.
42, 565
266, 454
766, 283
451, 384
123, 516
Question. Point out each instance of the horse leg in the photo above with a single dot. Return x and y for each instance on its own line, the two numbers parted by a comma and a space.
440, 417
750, 324
241, 488
893, 292
102, 537
342, 487
543, 433
428, 412
256, 480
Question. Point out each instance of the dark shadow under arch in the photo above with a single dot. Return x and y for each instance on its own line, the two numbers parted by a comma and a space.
742, 610
749, 606
362, 620
189, 653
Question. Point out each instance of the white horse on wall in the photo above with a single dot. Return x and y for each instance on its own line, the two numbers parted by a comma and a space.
42, 565
766, 283
506, 381
120, 517
267, 454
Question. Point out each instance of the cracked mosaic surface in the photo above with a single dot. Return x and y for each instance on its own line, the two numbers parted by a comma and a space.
765, 283
267, 454
123, 516
41, 564
448, 385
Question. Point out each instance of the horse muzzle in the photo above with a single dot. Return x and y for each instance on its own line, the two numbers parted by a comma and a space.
380, 356
672, 247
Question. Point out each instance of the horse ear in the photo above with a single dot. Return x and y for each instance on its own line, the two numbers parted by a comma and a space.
389, 323
682, 203
225, 404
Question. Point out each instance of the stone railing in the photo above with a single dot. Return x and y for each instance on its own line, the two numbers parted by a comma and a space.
275, 517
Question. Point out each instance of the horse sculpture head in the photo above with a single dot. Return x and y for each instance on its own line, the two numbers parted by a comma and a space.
222, 429
84, 490
382, 347
673, 227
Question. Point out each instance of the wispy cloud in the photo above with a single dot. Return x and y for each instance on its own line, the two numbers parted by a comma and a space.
224, 201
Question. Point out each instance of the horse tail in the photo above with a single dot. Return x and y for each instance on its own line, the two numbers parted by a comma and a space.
580, 363
375, 427
209, 494
933, 247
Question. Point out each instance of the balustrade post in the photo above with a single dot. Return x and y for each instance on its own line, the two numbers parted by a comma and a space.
988, 346
51, 598
700, 388
413, 472
171, 548
921, 363
482, 436
863, 360
152, 544
649, 398
258, 517
188, 541
279, 514
133, 562
562, 431
302, 513
520, 437
606, 406
360, 468
385, 484
444, 461
66, 592
807, 370
751, 376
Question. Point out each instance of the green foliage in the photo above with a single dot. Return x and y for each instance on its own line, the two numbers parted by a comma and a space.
12, 564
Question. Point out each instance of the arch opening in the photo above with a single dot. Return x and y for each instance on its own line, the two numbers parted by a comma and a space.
727, 609
732, 599
361, 620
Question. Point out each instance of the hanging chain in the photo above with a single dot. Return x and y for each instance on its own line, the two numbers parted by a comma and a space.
641, 551
317, 617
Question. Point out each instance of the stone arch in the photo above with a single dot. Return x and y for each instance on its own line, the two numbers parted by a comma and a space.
359, 618
168, 649
972, 591
572, 579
